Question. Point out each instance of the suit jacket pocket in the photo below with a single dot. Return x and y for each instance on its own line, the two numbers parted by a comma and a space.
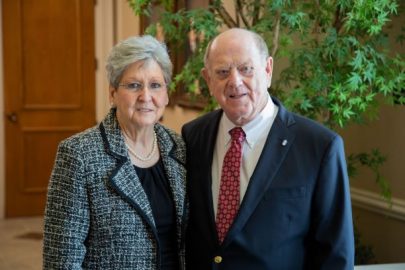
286, 193
282, 215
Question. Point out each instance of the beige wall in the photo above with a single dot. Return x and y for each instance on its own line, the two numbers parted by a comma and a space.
104, 31
388, 135
384, 234
114, 21
380, 226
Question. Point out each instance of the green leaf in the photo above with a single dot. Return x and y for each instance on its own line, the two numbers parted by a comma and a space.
354, 81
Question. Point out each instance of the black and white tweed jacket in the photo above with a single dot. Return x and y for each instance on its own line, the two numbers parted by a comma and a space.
97, 214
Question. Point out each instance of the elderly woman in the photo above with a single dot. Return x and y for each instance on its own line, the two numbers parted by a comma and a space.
116, 196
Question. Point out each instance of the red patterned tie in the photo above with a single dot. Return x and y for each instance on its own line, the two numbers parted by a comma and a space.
229, 196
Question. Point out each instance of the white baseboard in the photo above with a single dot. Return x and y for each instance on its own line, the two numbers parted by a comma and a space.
375, 203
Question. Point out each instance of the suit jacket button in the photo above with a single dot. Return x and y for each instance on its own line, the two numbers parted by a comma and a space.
217, 259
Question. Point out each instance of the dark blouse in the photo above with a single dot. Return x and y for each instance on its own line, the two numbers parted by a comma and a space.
156, 186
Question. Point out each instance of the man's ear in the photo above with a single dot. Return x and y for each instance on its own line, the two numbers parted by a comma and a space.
269, 70
205, 74
269, 66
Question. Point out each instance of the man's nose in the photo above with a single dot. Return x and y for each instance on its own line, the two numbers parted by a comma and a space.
235, 79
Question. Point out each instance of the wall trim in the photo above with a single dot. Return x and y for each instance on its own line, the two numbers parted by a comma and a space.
373, 202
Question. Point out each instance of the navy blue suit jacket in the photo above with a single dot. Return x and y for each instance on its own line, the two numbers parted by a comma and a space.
296, 213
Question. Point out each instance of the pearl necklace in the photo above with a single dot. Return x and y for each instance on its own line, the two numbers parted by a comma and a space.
148, 156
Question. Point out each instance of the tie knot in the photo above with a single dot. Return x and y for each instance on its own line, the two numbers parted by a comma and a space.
237, 134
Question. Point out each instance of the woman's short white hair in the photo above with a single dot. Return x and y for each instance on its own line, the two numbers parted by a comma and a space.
134, 49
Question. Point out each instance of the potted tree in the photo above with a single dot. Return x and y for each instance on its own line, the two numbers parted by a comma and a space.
336, 66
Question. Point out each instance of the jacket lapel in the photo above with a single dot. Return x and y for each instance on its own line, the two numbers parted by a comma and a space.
208, 154
207, 134
274, 152
125, 181
123, 178
174, 168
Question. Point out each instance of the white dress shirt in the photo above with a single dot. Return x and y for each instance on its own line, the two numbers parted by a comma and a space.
256, 135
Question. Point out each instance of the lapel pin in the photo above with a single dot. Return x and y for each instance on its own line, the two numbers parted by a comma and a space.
284, 142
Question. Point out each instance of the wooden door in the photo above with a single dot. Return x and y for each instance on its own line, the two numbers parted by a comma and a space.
49, 91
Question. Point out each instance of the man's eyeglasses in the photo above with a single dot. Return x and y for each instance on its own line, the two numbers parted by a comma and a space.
244, 70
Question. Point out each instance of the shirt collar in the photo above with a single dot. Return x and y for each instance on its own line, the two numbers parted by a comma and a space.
251, 129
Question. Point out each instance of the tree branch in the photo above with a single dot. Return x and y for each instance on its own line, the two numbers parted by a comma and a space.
256, 12
316, 23
276, 34
241, 14
228, 20
237, 15
338, 23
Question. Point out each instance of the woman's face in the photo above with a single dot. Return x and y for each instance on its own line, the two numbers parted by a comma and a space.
141, 96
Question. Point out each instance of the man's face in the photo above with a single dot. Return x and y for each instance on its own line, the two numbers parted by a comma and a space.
238, 76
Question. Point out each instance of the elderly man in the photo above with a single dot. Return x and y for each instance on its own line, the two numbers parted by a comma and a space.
268, 189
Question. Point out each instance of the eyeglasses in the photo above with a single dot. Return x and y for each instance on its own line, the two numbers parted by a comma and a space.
244, 70
137, 86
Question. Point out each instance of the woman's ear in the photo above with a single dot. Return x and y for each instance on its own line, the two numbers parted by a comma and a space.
111, 91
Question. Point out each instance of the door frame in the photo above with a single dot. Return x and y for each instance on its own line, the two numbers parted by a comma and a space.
109, 20
2, 131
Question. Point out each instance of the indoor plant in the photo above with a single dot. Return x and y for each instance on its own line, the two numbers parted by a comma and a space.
338, 68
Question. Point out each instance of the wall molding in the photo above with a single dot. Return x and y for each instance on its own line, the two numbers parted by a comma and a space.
373, 202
